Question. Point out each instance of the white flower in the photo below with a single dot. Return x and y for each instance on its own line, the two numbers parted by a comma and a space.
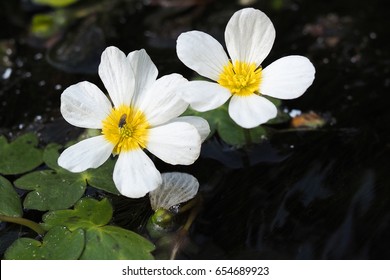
249, 37
144, 115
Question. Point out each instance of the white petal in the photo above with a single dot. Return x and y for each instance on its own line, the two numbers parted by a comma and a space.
204, 96
117, 76
162, 102
145, 72
287, 77
175, 143
202, 53
135, 174
201, 125
89, 153
249, 36
251, 111
176, 188
84, 105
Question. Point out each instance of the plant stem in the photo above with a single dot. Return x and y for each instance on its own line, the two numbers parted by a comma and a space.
24, 222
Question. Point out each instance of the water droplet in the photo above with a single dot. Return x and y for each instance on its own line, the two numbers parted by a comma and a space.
7, 73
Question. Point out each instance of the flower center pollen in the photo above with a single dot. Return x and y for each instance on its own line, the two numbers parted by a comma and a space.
241, 78
126, 128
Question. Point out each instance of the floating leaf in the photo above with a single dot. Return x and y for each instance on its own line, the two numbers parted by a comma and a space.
58, 244
101, 178
51, 190
102, 241
10, 204
55, 3
109, 242
230, 132
308, 120
19, 156
60, 189
87, 213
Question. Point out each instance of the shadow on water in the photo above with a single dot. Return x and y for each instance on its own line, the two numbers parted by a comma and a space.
318, 194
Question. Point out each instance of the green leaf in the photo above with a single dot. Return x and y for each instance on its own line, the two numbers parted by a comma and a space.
87, 213
102, 241
20, 156
51, 190
55, 3
58, 244
101, 178
230, 132
10, 204
50, 156
60, 189
109, 242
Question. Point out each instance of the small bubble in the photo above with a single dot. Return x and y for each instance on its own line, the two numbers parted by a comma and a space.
294, 112
38, 118
292, 146
27, 75
373, 35
38, 56
58, 87
7, 73
325, 60
21, 126
42, 83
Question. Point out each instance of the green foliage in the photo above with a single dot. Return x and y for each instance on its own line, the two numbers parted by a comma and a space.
110, 242
19, 156
87, 213
58, 188
58, 244
10, 204
102, 241
230, 132
50, 190
55, 3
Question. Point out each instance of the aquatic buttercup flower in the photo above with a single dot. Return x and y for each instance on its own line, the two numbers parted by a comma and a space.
249, 37
144, 115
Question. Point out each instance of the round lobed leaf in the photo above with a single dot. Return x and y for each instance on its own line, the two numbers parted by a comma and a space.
58, 244
10, 204
19, 156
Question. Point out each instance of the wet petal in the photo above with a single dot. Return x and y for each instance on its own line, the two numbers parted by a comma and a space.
117, 75
89, 153
251, 111
204, 96
176, 188
145, 72
249, 36
135, 174
175, 143
162, 101
84, 105
201, 125
202, 53
287, 77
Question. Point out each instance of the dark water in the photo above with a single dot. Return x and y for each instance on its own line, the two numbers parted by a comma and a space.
320, 194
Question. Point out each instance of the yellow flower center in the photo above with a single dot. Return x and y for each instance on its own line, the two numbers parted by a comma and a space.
126, 128
241, 78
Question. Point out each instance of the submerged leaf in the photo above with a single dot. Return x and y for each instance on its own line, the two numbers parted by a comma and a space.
55, 3
10, 204
58, 244
19, 156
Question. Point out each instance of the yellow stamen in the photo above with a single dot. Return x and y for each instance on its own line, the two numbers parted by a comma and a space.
241, 78
126, 128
